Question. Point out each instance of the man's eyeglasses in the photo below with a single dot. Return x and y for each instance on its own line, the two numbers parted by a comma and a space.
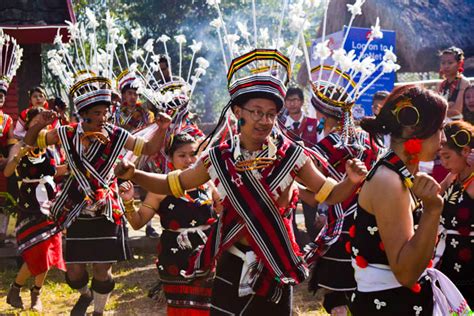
258, 115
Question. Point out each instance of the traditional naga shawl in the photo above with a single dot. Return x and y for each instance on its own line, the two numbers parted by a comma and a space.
132, 117
92, 183
335, 157
251, 211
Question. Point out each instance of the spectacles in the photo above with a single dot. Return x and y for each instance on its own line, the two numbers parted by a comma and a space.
461, 138
258, 115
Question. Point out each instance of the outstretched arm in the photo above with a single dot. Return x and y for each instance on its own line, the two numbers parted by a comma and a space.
314, 180
158, 183
155, 143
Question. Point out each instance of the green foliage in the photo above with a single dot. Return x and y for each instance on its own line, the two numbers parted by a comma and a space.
192, 18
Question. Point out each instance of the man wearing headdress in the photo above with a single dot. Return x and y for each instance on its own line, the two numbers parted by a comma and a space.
333, 270
131, 114
89, 205
254, 173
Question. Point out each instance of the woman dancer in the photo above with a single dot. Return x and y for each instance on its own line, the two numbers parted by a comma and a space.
457, 238
389, 257
38, 237
186, 222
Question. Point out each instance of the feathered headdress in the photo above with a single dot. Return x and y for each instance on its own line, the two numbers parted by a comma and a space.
257, 66
349, 76
83, 67
257, 63
171, 92
10, 60
151, 73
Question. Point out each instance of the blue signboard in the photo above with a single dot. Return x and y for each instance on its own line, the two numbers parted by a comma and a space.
356, 40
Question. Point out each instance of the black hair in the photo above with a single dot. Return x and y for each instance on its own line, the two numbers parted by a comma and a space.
36, 89
178, 141
380, 95
127, 87
466, 138
31, 114
242, 99
295, 91
58, 102
429, 111
456, 51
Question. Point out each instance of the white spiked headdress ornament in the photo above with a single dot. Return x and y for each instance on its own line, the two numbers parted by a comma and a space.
83, 67
10, 60
168, 90
254, 59
349, 76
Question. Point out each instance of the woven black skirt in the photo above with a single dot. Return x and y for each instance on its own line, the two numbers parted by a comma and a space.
394, 302
96, 240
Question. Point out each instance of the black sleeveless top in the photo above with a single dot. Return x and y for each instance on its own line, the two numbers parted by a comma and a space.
457, 261
366, 244
191, 211
176, 215
33, 170
451, 89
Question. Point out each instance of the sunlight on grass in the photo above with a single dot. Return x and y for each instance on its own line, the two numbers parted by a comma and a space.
133, 280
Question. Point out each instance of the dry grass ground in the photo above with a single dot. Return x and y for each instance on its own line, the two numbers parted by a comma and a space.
134, 278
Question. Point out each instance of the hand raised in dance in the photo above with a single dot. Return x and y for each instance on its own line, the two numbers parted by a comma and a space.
44, 118
125, 170
428, 190
356, 170
126, 191
163, 120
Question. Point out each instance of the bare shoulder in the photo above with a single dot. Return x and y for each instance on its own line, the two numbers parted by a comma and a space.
385, 178
383, 188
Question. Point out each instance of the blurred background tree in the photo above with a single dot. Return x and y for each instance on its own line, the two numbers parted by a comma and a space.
191, 18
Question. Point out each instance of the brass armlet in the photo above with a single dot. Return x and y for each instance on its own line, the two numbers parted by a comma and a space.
41, 142
174, 184
325, 190
138, 147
